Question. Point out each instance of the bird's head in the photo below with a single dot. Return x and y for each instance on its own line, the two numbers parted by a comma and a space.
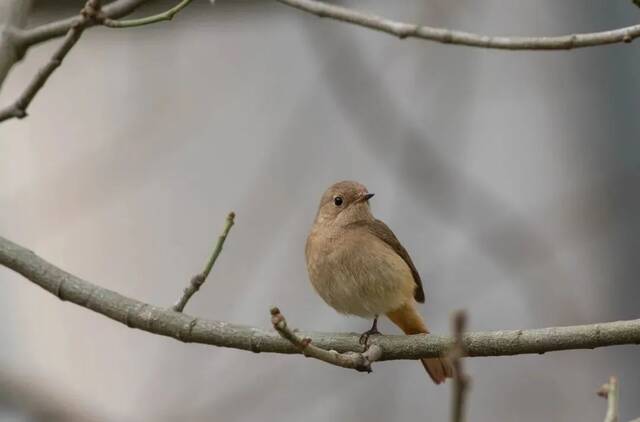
344, 203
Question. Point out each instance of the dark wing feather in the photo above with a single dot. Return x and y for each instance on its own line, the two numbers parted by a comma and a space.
384, 233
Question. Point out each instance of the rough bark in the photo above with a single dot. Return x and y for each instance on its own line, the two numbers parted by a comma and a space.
167, 322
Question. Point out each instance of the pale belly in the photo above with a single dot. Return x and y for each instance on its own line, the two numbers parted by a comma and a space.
362, 281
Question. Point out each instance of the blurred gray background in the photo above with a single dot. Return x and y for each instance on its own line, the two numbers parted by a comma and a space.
511, 177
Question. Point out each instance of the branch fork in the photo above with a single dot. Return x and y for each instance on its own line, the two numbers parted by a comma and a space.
361, 362
91, 14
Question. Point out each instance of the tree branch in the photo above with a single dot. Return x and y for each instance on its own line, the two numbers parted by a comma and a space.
610, 392
447, 36
164, 16
114, 10
19, 108
361, 362
91, 14
14, 42
198, 280
460, 379
13, 16
167, 322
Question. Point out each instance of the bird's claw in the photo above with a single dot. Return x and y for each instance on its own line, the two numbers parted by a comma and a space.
364, 338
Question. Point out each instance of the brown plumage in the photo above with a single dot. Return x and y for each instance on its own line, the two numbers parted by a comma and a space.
358, 266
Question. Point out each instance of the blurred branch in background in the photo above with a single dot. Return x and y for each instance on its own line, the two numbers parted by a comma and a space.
13, 16
19, 108
167, 322
448, 36
24, 399
16, 41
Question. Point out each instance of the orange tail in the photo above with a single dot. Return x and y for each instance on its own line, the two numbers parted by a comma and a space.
410, 321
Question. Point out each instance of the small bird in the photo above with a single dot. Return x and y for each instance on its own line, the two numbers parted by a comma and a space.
358, 266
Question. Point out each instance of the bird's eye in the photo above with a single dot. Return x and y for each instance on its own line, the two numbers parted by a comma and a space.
337, 200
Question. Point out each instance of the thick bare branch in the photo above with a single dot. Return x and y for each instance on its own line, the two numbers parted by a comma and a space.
187, 328
460, 379
448, 36
610, 392
353, 360
198, 280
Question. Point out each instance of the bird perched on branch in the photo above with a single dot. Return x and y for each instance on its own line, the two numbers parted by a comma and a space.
358, 266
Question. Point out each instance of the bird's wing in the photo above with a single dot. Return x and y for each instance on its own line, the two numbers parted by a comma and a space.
384, 233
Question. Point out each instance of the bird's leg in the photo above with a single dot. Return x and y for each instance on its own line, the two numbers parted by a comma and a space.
364, 338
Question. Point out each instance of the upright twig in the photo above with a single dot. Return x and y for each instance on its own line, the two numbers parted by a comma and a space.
610, 392
460, 379
359, 361
198, 280
18, 109
164, 16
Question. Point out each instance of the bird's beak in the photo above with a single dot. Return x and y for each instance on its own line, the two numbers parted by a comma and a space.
365, 197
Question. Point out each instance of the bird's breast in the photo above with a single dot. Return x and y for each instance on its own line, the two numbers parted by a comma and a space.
358, 274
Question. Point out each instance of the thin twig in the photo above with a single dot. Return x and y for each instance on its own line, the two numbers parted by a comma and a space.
92, 14
18, 109
166, 322
610, 392
448, 36
164, 16
114, 10
198, 280
460, 379
354, 360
